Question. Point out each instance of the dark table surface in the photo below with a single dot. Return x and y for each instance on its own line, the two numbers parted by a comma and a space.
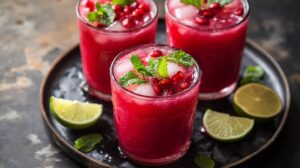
34, 33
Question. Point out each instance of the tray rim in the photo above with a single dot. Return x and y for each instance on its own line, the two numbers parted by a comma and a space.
59, 140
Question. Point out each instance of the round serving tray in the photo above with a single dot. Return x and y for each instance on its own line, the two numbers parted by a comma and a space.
64, 79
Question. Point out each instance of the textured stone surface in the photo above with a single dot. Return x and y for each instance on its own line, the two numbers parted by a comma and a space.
34, 33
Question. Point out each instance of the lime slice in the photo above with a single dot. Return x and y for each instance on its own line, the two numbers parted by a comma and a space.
224, 127
257, 101
74, 114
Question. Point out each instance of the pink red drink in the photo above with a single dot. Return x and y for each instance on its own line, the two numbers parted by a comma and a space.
215, 35
101, 41
154, 115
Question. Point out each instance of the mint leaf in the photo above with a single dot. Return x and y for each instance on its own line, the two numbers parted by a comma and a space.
104, 14
88, 142
152, 66
204, 162
181, 57
162, 67
122, 2
196, 3
222, 2
252, 74
139, 66
129, 79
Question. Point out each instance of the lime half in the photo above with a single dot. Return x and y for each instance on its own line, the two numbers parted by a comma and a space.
257, 101
224, 127
74, 114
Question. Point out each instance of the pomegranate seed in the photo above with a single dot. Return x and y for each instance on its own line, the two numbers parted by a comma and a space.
127, 10
215, 6
128, 23
156, 53
178, 77
171, 91
138, 14
90, 5
202, 21
165, 83
144, 8
184, 85
117, 16
239, 12
134, 5
118, 8
157, 89
155, 80
207, 13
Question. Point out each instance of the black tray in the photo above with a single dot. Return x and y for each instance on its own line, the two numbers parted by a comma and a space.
65, 76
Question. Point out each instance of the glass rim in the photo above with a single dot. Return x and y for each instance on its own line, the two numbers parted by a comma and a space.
114, 31
113, 78
209, 29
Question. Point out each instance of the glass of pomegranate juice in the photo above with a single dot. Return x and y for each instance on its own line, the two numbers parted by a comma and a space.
107, 27
154, 93
214, 32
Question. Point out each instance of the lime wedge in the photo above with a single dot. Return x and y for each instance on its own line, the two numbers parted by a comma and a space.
257, 101
224, 127
74, 114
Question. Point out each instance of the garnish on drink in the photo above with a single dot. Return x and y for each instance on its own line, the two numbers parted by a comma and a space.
154, 93
166, 74
128, 13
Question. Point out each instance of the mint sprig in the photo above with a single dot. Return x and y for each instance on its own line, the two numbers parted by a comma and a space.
139, 66
88, 142
122, 2
152, 66
204, 162
252, 74
181, 57
104, 14
129, 79
199, 3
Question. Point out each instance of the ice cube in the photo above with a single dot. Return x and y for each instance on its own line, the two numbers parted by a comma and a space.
174, 68
122, 68
145, 89
116, 26
186, 12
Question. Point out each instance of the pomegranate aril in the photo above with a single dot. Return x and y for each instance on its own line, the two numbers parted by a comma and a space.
117, 16
118, 8
171, 91
202, 21
183, 85
144, 8
178, 77
239, 12
128, 23
127, 10
90, 5
138, 14
165, 83
155, 80
215, 6
207, 13
134, 5
157, 89
156, 53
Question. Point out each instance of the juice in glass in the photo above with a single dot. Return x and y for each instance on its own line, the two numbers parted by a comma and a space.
214, 33
154, 115
121, 27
